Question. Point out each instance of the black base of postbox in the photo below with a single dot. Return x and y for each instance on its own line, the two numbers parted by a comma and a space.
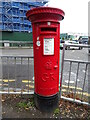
46, 104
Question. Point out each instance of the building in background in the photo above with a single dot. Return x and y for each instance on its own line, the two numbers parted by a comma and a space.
73, 36
13, 23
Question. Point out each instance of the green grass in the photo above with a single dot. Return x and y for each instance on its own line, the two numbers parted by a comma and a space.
22, 104
26, 104
56, 111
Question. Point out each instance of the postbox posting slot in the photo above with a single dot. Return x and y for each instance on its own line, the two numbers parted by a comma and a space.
48, 29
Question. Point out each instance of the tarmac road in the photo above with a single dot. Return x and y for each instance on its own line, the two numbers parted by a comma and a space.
25, 72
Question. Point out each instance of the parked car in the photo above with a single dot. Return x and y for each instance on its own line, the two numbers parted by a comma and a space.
72, 42
83, 40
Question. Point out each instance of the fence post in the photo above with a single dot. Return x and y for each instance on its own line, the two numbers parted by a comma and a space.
62, 66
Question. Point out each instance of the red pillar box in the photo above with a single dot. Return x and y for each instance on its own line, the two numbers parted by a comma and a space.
46, 43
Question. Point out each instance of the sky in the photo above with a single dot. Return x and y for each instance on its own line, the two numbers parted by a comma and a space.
76, 15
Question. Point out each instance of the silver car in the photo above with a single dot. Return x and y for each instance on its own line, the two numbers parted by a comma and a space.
72, 42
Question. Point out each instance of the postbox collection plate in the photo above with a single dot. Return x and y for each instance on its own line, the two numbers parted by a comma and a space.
48, 46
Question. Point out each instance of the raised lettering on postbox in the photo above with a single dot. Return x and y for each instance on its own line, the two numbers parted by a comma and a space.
48, 76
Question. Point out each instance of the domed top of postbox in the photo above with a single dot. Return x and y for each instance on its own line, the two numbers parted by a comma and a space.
41, 14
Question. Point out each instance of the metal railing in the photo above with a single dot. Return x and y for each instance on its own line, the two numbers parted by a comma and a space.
18, 77
76, 92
